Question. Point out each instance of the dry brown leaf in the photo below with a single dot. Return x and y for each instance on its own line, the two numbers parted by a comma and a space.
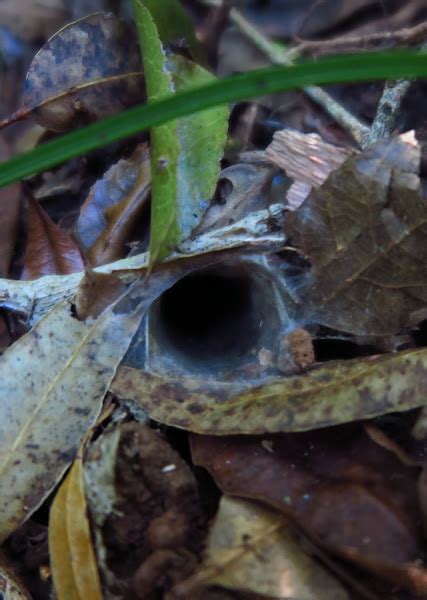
251, 548
336, 484
97, 291
114, 204
365, 234
50, 250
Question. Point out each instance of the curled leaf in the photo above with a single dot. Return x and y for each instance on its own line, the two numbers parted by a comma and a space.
108, 214
88, 70
328, 394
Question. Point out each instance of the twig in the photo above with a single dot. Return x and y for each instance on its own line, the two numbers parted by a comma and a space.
409, 36
387, 111
276, 55
258, 231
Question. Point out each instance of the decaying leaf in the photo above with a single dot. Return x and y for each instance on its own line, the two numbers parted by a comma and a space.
186, 153
336, 485
50, 250
74, 568
114, 203
365, 234
306, 158
328, 394
252, 548
95, 292
88, 70
52, 383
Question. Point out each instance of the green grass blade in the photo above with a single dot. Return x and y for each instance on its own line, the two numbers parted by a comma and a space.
352, 68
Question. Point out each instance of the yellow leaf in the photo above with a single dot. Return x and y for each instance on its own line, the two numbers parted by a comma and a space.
74, 566
83, 559
59, 549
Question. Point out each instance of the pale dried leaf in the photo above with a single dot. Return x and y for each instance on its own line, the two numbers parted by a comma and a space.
306, 158
52, 382
251, 548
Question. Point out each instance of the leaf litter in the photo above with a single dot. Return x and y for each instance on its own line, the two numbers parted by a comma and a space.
62, 91
322, 505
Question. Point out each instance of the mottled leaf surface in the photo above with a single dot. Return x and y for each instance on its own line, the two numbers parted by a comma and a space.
52, 383
50, 250
251, 548
186, 153
114, 204
329, 394
88, 70
365, 234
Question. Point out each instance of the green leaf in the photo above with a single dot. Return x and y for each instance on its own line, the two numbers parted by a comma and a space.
351, 68
165, 147
185, 154
175, 27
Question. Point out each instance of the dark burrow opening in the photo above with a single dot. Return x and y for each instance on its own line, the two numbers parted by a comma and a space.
209, 315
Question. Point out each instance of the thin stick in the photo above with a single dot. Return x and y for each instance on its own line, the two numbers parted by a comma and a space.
276, 55
387, 111
409, 36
